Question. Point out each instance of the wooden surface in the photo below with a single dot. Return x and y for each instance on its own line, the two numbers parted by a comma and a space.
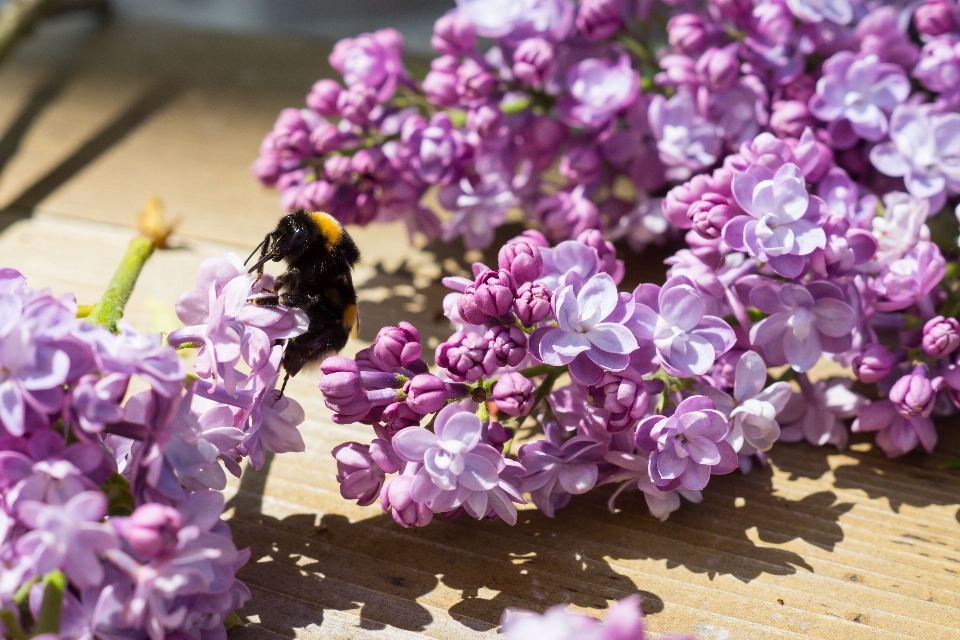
823, 544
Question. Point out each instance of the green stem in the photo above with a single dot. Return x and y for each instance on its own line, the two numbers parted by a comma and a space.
108, 311
13, 627
51, 609
542, 370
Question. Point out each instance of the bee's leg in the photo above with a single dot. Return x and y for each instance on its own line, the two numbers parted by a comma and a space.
283, 386
300, 301
292, 274
266, 301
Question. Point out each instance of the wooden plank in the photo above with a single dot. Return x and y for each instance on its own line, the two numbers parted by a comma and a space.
853, 544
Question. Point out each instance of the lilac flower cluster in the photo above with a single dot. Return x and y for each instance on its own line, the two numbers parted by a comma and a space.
116, 493
624, 621
799, 148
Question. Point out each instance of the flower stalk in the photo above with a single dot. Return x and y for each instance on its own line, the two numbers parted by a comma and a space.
108, 311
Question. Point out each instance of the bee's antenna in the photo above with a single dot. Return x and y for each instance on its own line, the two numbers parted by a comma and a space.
252, 253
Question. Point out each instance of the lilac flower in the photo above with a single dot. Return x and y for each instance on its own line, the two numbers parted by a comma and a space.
803, 323
568, 257
532, 303
783, 221
458, 469
817, 413
453, 34
752, 409
508, 344
717, 69
43, 469
687, 340
908, 279
522, 260
556, 470
858, 92
466, 357
896, 434
273, 427
924, 150
566, 214
427, 393
688, 446
396, 498
935, 17
68, 537
524, 18
598, 89
874, 363
624, 621
899, 229
396, 346
686, 142
625, 394
372, 60
478, 206
361, 469
633, 473
533, 62
591, 336
434, 149
836, 11
939, 66
599, 19
687, 33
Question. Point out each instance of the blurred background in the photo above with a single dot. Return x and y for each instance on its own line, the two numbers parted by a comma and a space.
331, 19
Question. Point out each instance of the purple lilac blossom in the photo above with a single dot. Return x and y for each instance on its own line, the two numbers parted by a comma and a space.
817, 413
597, 90
688, 446
687, 340
633, 473
686, 141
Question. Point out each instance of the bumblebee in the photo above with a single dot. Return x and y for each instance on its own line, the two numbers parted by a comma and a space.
319, 256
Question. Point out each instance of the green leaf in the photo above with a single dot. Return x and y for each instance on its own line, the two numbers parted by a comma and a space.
119, 497
232, 620
51, 609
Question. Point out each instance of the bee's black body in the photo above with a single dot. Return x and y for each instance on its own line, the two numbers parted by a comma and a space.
320, 256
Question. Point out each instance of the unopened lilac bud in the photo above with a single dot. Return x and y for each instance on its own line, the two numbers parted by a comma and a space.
359, 476
522, 260
717, 69
152, 529
913, 394
453, 34
605, 251
599, 19
399, 415
678, 200
323, 97
687, 33
486, 120
326, 138
935, 17
496, 435
340, 380
508, 344
396, 346
382, 453
802, 88
372, 163
581, 165
709, 214
356, 103
395, 498
466, 357
532, 303
468, 308
533, 62
426, 393
513, 394
732, 8
941, 336
790, 118
874, 363
440, 85
533, 237
338, 169
494, 292
474, 82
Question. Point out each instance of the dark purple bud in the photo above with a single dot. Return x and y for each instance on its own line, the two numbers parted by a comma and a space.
356, 103
709, 214
935, 17
627, 399
338, 169
453, 35
469, 309
513, 394
532, 303
494, 292
152, 529
508, 344
372, 163
581, 165
941, 336
801, 89
874, 363
599, 19
474, 82
565, 215
427, 393
326, 138
323, 97
913, 394
467, 357
496, 435
485, 120
522, 260
340, 380
396, 346
790, 118
440, 85
732, 8
399, 415
533, 62
687, 33
717, 69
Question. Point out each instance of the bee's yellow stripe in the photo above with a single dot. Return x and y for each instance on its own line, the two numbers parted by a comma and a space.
330, 229
351, 320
